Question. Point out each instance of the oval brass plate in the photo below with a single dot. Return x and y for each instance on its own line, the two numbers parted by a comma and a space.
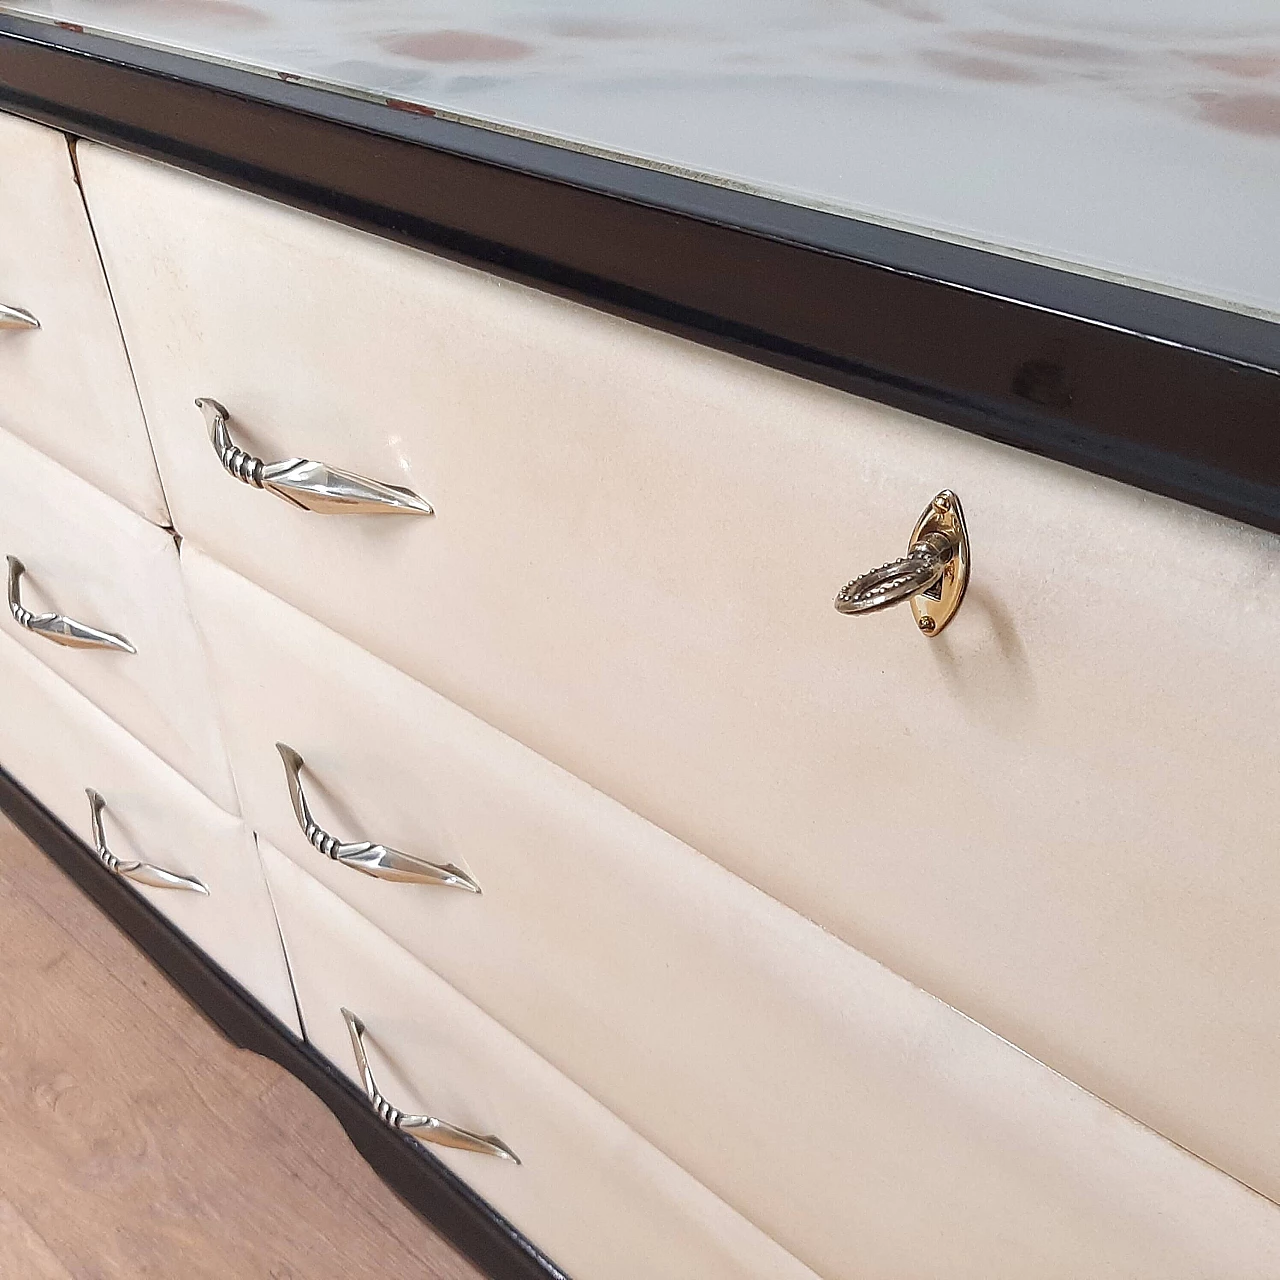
936, 607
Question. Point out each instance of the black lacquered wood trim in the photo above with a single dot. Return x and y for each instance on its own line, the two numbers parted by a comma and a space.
412, 1172
1174, 396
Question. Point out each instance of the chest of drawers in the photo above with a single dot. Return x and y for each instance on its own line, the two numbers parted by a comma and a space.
472, 645
630, 568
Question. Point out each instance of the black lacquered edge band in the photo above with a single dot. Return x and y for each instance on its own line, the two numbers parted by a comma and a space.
412, 1172
1171, 395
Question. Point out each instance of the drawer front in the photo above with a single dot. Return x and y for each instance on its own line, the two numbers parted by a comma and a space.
588, 1191
87, 558
67, 385
1049, 816
57, 745
778, 1066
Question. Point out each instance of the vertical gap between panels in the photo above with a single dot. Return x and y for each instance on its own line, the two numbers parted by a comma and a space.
72, 144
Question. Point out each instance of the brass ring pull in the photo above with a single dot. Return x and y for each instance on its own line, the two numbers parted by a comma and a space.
892, 583
933, 574
424, 1128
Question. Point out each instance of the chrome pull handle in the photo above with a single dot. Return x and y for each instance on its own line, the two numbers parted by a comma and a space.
141, 872
58, 627
375, 860
17, 318
313, 486
933, 574
424, 1128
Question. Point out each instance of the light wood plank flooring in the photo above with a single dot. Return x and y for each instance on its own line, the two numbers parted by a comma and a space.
135, 1141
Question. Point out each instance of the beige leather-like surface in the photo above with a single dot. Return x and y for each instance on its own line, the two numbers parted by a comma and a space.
90, 558
1054, 816
588, 1191
871, 1130
56, 743
67, 386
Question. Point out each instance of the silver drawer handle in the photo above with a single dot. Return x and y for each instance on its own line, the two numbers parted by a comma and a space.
17, 318
424, 1128
933, 574
56, 626
310, 485
375, 860
141, 872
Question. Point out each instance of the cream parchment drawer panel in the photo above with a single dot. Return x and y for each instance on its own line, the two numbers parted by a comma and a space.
1054, 816
65, 385
588, 1191
868, 1128
58, 746
82, 556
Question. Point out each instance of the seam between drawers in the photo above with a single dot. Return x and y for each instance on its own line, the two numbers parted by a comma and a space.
115, 311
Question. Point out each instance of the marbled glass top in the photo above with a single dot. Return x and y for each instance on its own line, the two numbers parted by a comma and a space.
1136, 139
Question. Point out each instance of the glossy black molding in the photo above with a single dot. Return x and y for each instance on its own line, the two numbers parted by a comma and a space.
412, 1172
1176, 397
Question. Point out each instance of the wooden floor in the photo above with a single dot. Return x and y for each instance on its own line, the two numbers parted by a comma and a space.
136, 1141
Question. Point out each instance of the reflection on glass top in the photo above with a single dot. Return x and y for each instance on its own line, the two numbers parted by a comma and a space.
1136, 139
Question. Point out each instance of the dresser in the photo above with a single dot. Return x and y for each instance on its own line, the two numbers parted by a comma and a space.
727, 735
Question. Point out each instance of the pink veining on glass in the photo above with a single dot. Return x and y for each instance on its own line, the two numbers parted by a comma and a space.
1134, 140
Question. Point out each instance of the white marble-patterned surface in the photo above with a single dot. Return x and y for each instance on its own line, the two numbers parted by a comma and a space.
1131, 138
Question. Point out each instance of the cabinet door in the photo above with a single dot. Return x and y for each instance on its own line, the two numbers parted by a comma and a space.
87, 559
58, 745
67, 386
